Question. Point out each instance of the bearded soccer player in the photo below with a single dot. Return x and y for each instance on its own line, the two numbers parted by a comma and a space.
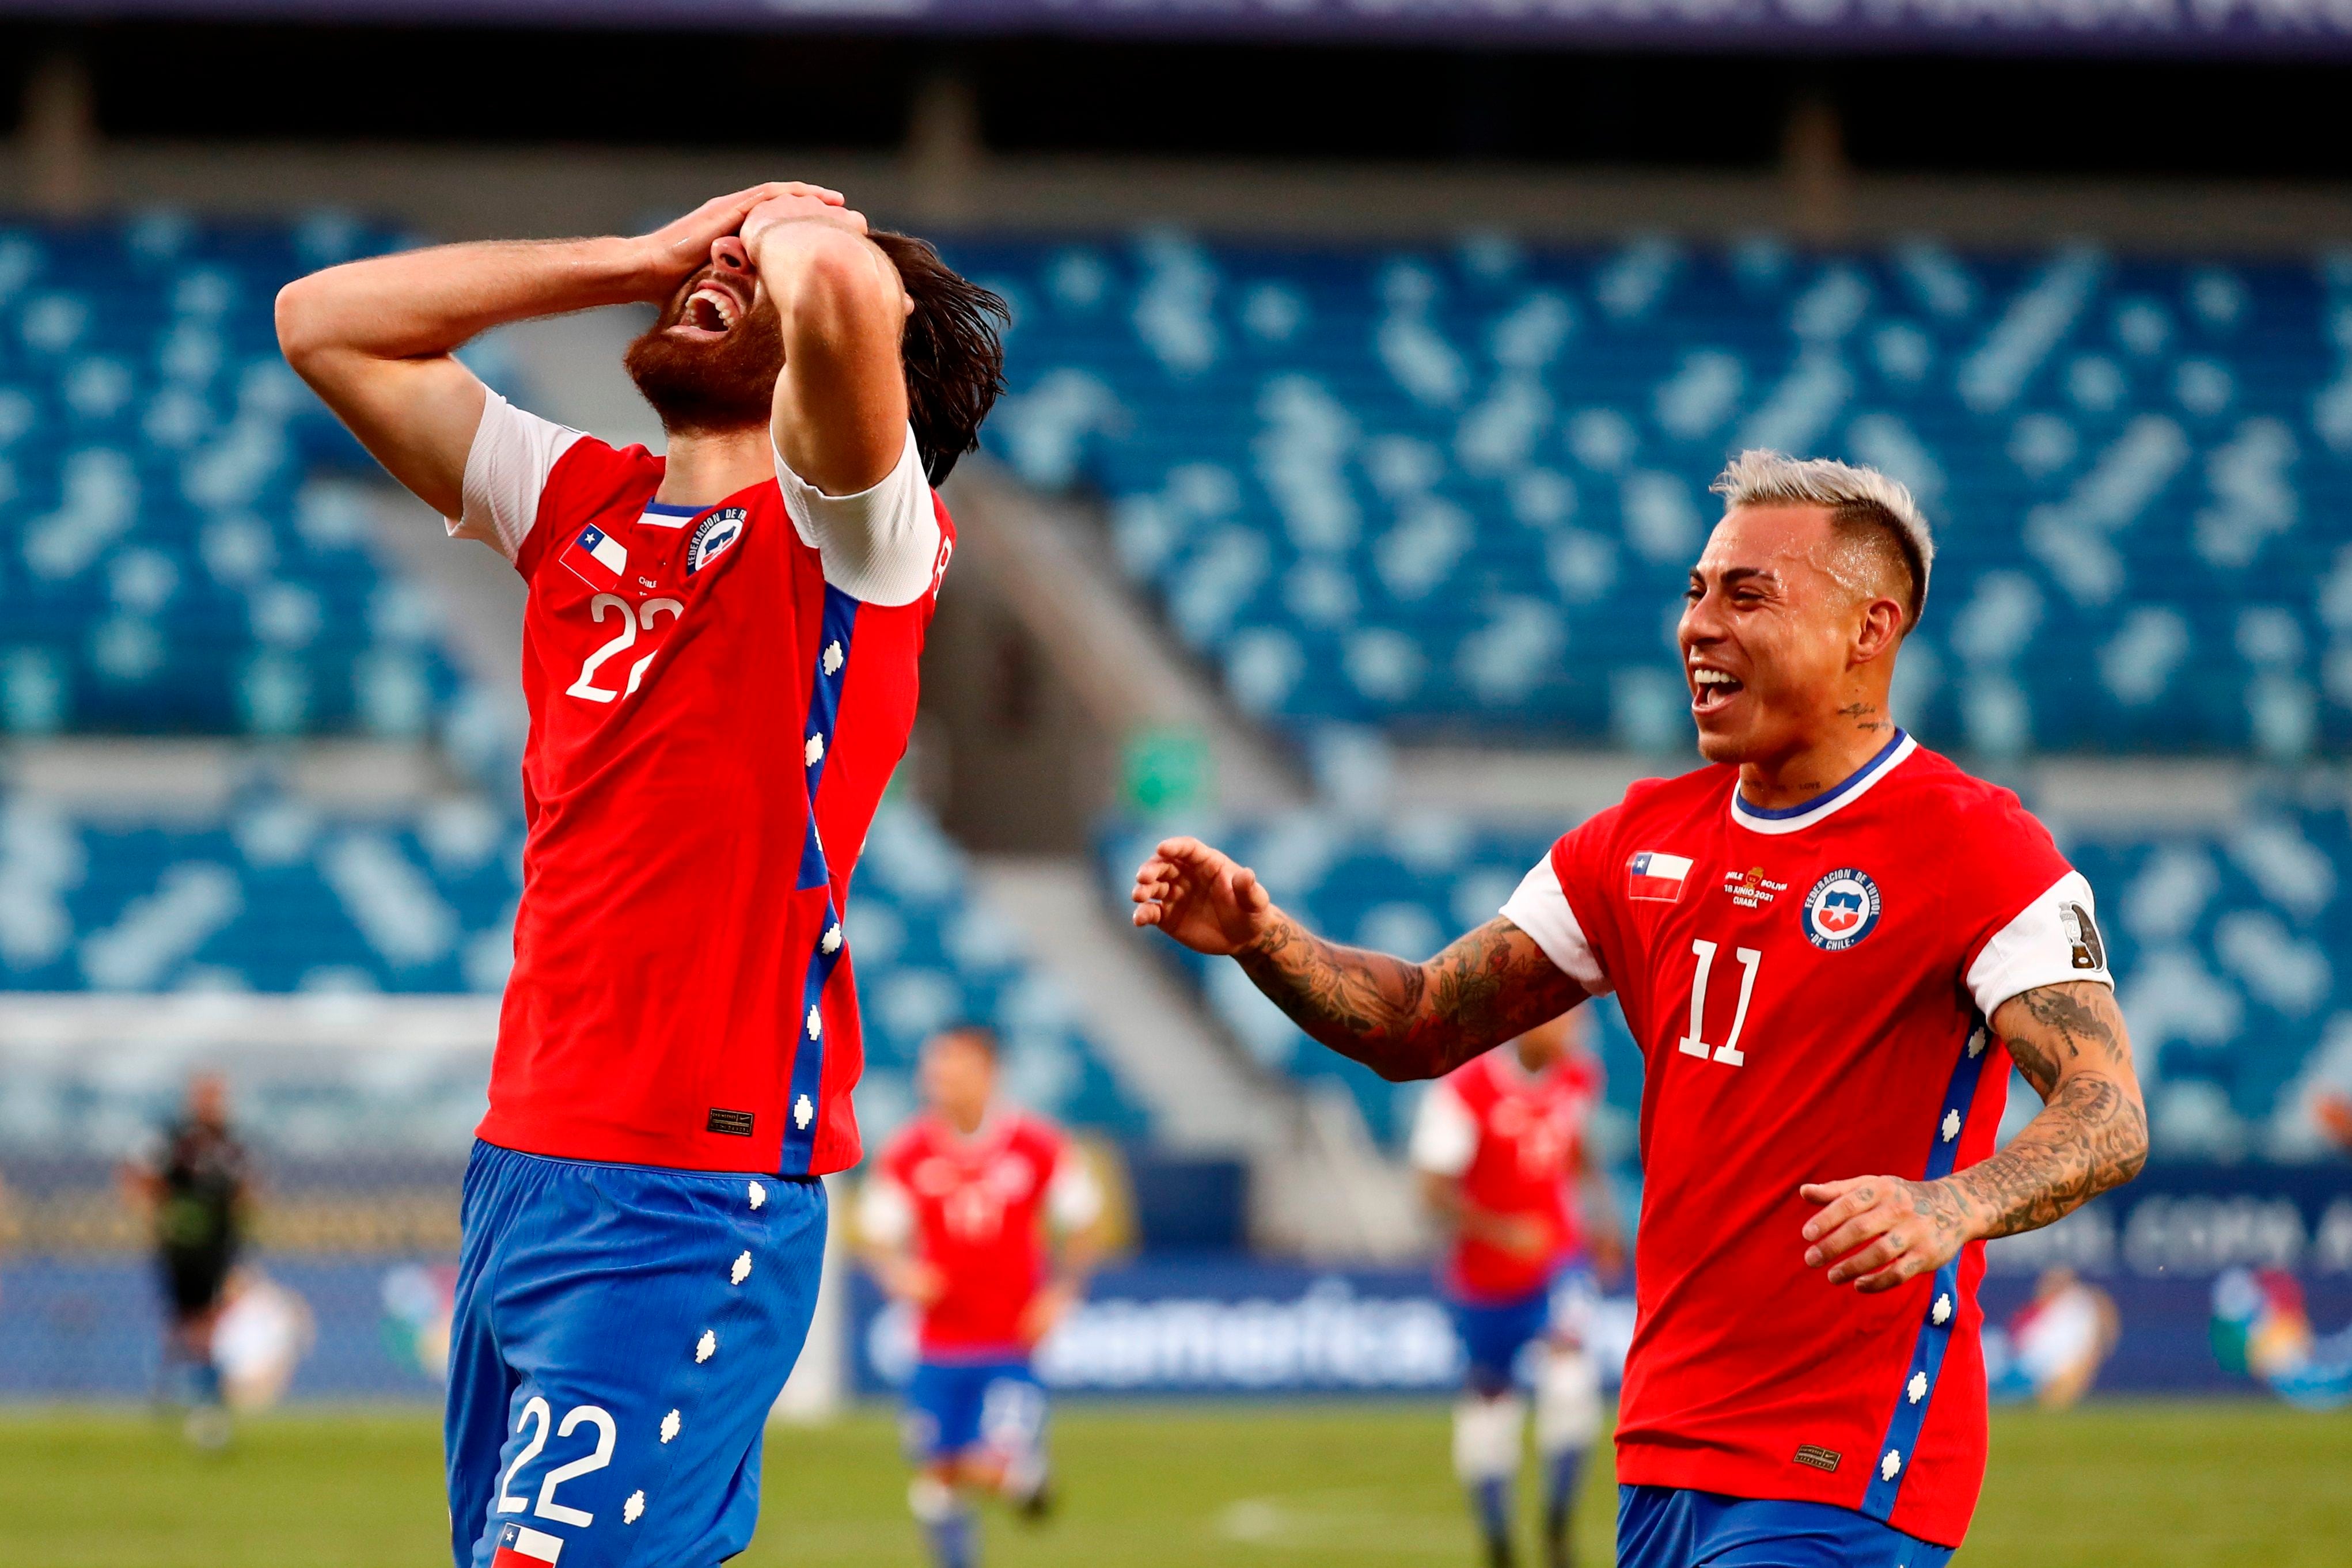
958, 1221
1831, 944
720, 661
1500, 1144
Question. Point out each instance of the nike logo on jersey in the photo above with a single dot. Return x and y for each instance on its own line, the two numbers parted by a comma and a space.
1656, 877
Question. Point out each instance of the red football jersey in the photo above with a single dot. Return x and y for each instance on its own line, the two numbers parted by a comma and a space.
976, 1209
714, 712
1809, 987
1510, 1137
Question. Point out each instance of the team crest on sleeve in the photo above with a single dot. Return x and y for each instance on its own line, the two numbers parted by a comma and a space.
1841, 910
712, 538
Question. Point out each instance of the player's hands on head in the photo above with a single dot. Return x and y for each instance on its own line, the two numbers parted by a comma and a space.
681, 249
1202, 898
1881, 1231
806, 207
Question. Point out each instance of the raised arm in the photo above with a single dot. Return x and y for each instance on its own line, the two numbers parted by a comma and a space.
840, 418
2070, 1042
377, 339
1402, 1020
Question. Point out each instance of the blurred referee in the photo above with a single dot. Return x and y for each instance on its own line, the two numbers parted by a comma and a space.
195, 1183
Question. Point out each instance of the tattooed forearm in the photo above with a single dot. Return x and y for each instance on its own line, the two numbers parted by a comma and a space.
1410, 1021
2092, 1135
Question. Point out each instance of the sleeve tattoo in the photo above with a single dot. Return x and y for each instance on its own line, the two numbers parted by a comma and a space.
2069, 1041
1408, 1020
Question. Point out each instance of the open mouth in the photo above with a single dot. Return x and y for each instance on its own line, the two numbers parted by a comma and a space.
1712, 689
711, 312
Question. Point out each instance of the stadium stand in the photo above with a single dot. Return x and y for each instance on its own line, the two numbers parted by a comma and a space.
154, 452
2227, 947
278, 898
1469, 481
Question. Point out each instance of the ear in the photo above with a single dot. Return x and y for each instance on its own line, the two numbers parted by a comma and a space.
1881, 630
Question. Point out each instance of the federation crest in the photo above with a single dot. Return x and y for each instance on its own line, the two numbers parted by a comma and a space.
712, 538
1841, 910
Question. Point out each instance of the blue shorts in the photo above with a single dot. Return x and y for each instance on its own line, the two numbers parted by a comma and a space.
955, 1407
1672, 1527
1495, 1335
619, 1334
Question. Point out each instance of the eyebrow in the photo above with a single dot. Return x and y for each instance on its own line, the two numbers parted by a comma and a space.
1738, 574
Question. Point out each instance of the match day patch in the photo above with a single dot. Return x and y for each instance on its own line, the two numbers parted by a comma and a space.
2087, 951
1818, 1457
712, 537
1656, 877
520, 1546
1841, 910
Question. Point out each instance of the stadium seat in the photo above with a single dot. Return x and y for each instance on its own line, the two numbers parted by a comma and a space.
176, 567
2232, 959
275, 897
1457, 490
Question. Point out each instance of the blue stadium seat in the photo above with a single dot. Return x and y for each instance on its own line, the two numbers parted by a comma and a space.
276, 898
173, 568
2231, 955
1449, 489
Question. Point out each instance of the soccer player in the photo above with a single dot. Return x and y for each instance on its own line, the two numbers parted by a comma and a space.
196, 1187
1505, 1163
719, 662
1831, 944
955, 1222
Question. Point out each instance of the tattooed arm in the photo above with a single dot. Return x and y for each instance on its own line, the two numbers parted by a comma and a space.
1402, 1020
2092, 1135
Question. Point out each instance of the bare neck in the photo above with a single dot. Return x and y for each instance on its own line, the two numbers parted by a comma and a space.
1819, 762
703, 468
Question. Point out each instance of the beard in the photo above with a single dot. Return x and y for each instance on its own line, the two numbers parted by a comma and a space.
703, 387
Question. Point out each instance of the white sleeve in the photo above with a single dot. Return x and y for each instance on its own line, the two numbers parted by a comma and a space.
506, 469
880, 545
1445, 1133
1075, 1199
884, 1215
2054, 939
1541, 909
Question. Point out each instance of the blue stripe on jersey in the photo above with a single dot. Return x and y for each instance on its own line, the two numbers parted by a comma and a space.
1782, 813
834, 641
660, 509
840, 620
1893, 1460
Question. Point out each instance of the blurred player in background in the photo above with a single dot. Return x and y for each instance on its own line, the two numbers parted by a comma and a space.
719, 659
195, 1185
1831, 945
1505, 1163
961, 1221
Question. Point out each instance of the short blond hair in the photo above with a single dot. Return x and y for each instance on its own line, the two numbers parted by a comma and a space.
1858, 498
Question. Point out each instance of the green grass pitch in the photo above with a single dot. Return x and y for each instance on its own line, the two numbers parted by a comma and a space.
2111, 1486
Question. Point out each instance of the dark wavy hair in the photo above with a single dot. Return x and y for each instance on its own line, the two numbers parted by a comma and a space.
953, 350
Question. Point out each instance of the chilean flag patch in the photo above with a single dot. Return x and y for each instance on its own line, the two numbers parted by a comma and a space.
520, 1546
597, 559
1656, 877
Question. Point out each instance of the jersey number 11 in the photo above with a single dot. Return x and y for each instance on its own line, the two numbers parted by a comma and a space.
1693, 1043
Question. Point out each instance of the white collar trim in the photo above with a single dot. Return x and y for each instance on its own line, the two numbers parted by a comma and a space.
1795, 819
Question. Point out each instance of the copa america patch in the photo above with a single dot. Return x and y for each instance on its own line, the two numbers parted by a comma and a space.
1841, 910
712, 536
